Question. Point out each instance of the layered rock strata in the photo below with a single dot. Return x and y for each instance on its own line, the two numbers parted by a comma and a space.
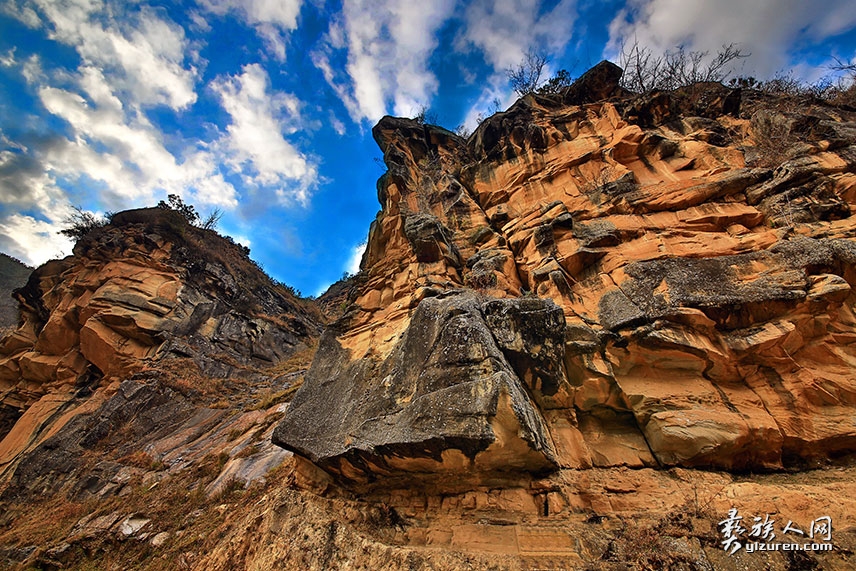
599, 279
148, 292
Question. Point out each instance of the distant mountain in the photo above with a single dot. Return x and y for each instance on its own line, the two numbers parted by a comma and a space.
13, 274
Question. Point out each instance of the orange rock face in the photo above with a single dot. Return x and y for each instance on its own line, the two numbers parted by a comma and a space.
705, 278
137, 291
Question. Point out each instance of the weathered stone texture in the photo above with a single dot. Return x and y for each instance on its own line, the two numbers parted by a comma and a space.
144, 291
703, 279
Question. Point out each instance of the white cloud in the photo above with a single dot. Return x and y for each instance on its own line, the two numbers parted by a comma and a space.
337, 125
272, 19
504, 30
128, 62
495, 96
768, 29
32, 241
353, 264
143, 53
21, 12
255, 135
387, 44
135, 166
24, 184
32, 70
8, 59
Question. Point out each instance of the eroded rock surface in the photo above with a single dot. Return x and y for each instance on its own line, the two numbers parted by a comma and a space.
577, 338
448, 398
147, 313
702, 279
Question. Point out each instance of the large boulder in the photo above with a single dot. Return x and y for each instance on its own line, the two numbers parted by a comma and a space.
456, 394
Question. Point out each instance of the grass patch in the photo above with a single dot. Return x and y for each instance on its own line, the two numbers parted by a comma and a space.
300, 361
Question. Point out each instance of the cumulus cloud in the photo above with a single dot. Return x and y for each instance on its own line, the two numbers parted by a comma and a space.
256, 142
767, 29
271, 19
143, 53
109, 152
26, 186
134, 165
21, 11
495, 96
504, 30
385, 46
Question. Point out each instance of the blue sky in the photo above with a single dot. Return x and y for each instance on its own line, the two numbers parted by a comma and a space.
264, 108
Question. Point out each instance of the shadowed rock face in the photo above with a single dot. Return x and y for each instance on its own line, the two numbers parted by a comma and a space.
13, 274
450, 397
662, 280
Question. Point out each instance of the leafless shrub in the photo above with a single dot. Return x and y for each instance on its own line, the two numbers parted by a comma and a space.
772, 137
646, 71
431, 168
425, 116
847, 67
80, 222
557, 83
837, 91
462, 131
495, 107
212, 220
845, 90
526, 76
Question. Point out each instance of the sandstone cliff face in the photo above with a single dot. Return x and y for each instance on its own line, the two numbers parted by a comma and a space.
178, 309
596, 280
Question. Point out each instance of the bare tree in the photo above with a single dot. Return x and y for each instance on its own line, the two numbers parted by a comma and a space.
425, 116
645, 71
210, 223
841, 65
526, 77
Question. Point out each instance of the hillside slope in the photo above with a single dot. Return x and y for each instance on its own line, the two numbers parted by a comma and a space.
158, 351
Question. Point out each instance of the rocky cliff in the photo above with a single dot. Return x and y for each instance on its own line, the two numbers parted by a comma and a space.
594, 281
624, 282
157, 350
578, 339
